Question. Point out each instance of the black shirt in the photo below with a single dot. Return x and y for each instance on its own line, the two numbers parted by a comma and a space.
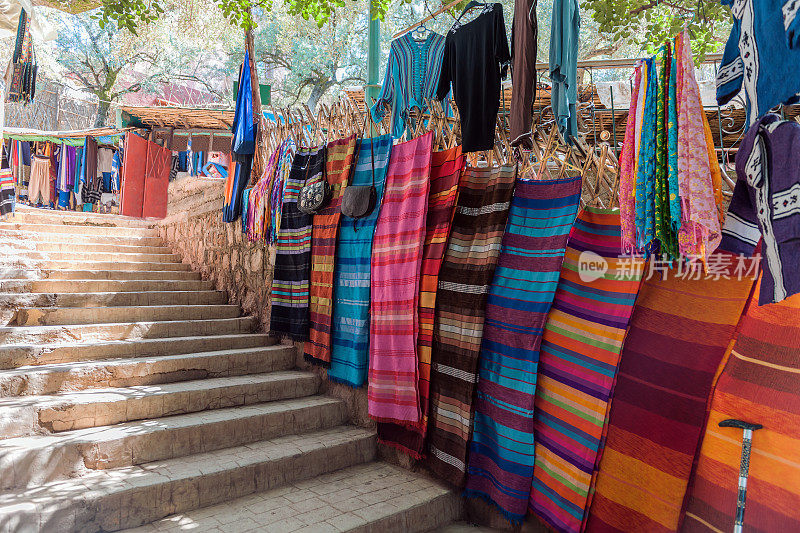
475, 59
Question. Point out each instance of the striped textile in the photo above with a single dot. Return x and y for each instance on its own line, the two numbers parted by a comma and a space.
500, 467
350, 322
760, 384
577, 365
446, 168
479, 221
395, 275
678, 334
292, 270
7, 199
338, 161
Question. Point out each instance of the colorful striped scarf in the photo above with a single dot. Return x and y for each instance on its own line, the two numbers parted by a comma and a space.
627, 173
760, 384
500, 467
257, 209
339, 160
646, 171
446, 168
350, 322
395, 276
679, 332
290, 291
467, 270
7, 200
284, 168
577, 365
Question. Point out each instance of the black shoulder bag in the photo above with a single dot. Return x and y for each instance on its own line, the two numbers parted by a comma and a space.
358, 201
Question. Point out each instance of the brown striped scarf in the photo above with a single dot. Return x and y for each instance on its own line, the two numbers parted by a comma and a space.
466, 273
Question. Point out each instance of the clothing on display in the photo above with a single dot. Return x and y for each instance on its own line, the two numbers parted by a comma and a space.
764, 41
338, 162
351, 294
578, 363
39, 185
679, 332
412, 77
7, 193
394, 284
290, 283
501, 453
564, 30
446, 169
524, 32
766, 204
484, 196
476, 58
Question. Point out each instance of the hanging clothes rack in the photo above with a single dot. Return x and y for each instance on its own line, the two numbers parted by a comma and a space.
426, 19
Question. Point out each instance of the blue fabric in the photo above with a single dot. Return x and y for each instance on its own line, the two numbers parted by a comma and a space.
106, 181
564, 32
646, 176
183, 161
761, 56
63, 198
116, 168
412, 76
244, 134
350, 320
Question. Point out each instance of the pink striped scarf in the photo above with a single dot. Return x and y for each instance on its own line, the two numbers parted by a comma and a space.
395, 278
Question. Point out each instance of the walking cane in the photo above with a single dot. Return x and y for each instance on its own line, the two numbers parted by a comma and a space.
744, 467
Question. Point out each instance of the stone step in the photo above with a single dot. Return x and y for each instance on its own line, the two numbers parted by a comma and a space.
92, 256
371, 497
122, 274
17, 355
124, 330
98, 247
110, 500
31, 461
97, 232
152, 370
29, 236
33, 215
112, 299
30, 415
90, 285
65, 316
105, 265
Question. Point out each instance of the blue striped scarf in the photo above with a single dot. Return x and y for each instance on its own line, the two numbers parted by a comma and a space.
350, 322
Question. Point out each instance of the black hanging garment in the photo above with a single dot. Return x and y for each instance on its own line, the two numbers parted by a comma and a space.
476, 58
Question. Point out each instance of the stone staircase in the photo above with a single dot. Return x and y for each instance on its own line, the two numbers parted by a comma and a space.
132, 395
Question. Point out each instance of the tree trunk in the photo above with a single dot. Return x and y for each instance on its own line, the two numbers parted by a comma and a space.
102, 113
316, 93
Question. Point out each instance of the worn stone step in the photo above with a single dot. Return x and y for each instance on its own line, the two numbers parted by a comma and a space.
91, 256
107, 265
30, 461
112, 299
29, 236
92, 285
93, 231
121, 274
64, 316
372, 497
125, 330
99, 247
31, 415
151, 370
110, 500
33, 215
17, 355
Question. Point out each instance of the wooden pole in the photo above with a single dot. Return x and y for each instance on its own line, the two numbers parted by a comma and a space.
259, 159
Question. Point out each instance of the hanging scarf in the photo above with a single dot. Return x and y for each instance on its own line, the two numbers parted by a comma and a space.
446, 168
646, 172
672, 149
467, 270
395, 277
501, 453
627, 174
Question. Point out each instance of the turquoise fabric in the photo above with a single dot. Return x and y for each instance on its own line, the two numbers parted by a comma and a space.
412, 76
564, 32
646, 176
